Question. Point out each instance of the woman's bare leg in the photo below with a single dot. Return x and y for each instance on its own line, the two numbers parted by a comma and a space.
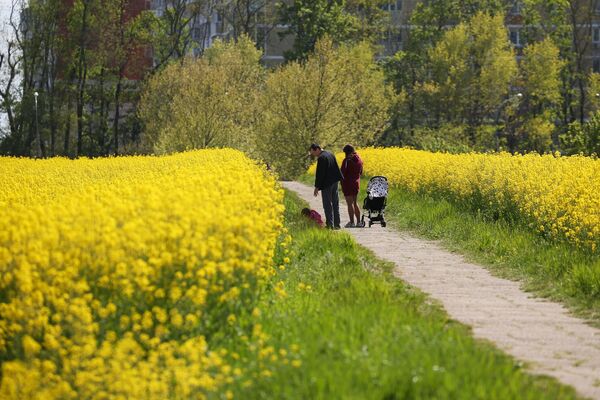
356, 209
350, 208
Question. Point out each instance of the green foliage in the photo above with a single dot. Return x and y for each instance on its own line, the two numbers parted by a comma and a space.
226, 98
337, 96
540, 69
430, 18
593, 90
370, 21
208, 102
473, 67
573, 140
537, 135
582, 138
448, 138
592, 134
171, 31
311, 20
342, 21
458, 76
549, 18
567, 23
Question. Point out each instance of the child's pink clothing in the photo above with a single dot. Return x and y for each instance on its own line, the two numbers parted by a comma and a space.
315, 216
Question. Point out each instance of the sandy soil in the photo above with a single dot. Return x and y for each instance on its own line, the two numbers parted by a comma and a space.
536, 331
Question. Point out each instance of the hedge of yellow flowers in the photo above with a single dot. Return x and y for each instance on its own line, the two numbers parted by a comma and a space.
558, 196
115, 273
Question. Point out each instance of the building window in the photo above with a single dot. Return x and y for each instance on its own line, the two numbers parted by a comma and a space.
596, 65
515, 37
596, 34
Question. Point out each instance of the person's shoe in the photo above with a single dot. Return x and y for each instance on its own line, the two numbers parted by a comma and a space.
337, 228
361, 224
349, 225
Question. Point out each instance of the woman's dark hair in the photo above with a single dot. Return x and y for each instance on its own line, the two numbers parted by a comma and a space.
315, 146
349, 149
306, 211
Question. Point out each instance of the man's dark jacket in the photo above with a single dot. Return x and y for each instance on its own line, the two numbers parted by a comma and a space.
328, 171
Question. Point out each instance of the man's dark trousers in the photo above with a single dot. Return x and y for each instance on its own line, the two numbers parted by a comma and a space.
331, 205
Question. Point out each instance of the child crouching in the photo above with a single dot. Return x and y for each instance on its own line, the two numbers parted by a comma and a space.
313, 215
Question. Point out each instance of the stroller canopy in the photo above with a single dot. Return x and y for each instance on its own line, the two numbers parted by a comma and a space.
377, 187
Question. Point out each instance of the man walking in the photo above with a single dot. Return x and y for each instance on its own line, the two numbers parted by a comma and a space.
326, 181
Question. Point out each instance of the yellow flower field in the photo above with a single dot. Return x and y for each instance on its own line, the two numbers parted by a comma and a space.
558, 196
115, 273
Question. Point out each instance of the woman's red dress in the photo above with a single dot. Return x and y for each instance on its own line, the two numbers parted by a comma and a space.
352, 167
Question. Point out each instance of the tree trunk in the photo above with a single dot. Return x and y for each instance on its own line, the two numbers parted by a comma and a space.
81, 77
117, 112
68, 128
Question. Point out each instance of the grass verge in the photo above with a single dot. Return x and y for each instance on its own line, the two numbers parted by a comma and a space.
554, 270
361, 333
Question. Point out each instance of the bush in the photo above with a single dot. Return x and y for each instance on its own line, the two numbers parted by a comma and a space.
337, 96
582, 139
206, 102
536, 135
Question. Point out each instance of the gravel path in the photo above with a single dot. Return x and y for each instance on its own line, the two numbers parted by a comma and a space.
536, 331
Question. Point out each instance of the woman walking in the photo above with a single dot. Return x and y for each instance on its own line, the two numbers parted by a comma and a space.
352, 168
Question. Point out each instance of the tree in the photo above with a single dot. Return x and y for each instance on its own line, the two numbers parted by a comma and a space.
430, 19
473, 67
371, 21
337, 96
442, 100
593, 89
541, 68
407, 71
311, 20
245, 17
120, 39
172, 30
208, 102
29, 66
569, 24
582, 138
103, 39
10, 60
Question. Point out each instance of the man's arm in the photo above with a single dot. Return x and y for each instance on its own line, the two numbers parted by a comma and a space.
320, 174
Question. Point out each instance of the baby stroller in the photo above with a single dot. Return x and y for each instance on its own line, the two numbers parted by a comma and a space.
374, 204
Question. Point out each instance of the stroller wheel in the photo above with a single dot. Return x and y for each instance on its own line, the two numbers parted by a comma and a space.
383, 223
370, 224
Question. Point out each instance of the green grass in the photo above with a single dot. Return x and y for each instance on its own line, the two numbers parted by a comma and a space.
364, 334
554, 270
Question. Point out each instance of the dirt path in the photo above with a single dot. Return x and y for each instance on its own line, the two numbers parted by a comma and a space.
536, 331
